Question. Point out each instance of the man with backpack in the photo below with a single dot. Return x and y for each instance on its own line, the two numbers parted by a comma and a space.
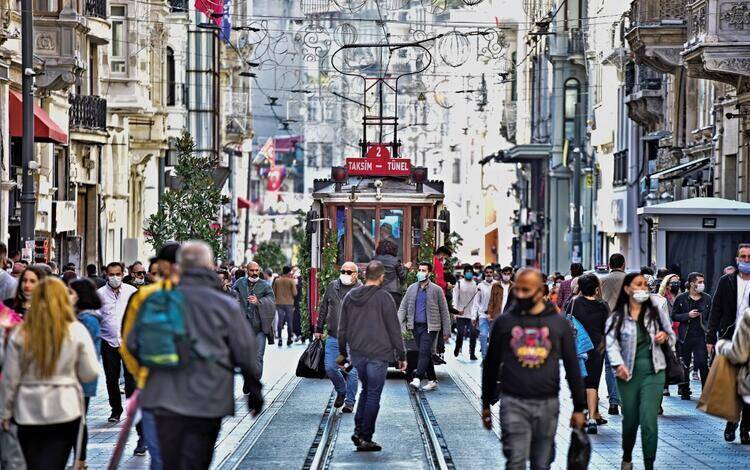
259, 304
190, 385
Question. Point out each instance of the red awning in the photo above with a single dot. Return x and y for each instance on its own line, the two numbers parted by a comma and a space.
243, 203
45, 129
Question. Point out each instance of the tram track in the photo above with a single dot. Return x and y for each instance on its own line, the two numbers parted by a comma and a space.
472, 397
321, 451
436, 449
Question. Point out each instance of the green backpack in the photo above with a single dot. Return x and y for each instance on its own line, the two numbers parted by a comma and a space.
161, 340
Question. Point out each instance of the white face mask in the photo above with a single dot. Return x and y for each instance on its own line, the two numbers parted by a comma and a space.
115, 282
699, 288
138, 281
345, 279
506, 277
641, 296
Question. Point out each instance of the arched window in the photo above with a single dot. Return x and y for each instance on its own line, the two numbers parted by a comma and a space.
171, 85
572, 98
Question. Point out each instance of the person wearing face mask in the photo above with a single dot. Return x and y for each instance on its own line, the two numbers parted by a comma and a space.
136, 275
329, 313
481, 305
691, 310
463, 301
115, 296
259, 305
500, 293
669, 288
424, 312
527, 345
634, 334
730, 300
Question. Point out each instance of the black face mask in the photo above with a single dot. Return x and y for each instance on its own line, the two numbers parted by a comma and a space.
675, 288
527, 303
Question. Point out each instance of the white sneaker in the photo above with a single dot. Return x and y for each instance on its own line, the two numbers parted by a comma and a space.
416, 383
431, 385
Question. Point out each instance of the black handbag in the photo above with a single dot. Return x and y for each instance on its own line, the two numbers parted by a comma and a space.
676, 373
579, 452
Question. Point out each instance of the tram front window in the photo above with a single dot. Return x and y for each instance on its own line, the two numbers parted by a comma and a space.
363, 235
392, 228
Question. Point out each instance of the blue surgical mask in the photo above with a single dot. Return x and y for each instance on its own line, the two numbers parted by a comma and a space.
421, 276
744, 267
468, 276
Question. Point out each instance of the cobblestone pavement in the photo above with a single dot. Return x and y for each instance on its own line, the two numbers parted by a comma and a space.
281, 437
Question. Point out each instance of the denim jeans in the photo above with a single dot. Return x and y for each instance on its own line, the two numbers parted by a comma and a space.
260, 343
285, 315
424, 339
148, 421
464, 327
485, 325
528, 431
342, 382
609, 377
372, 374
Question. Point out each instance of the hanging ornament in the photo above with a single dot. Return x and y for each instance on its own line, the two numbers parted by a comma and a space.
313, 42
345, 34
436, 6
315, 7
491, 44
472, 3
350, 6
454, 48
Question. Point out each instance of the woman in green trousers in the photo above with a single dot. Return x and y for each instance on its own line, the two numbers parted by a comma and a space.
635, 331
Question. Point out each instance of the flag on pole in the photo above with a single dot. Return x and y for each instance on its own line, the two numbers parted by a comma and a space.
226, 21
269, 151
213, 9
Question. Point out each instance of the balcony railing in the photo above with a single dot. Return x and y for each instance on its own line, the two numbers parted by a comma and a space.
656, 12
641, 77
178, 5
97, 8
88, 112
576, 42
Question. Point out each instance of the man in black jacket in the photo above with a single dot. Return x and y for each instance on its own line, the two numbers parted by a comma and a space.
691, 310
328, 318
369, 329
527, 345
731, 298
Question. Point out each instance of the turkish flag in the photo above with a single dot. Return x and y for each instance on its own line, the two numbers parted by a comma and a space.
214, 9
275, 177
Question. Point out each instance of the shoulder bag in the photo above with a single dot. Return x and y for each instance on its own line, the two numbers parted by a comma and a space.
676, 372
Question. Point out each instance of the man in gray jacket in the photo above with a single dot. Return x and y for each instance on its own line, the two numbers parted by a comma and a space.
425, 312
328, 315
190, 402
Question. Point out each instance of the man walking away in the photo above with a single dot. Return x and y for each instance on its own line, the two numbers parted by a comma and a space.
527, 345
369, 328
730, 300
285, 289
463, 301
691, 310
481, 304
565, 292
425, 312
8, 284
259, 304
611, 287
95, 278
190, 402
329, 314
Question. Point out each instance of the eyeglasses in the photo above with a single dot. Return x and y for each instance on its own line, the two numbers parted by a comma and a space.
139, 273
347, 271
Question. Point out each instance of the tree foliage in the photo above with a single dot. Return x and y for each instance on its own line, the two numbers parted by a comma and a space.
269, 255
188, 211
304, 261
329, 267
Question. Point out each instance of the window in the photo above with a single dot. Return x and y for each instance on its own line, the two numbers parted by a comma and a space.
326, 152
620, 177
312, 154
119, 39
171, 85
457, 171
572, 99
705, 103
46, 6
312, 109
363, 235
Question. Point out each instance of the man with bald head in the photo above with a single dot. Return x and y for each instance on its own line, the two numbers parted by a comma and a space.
526, 346
329, 314
259, 305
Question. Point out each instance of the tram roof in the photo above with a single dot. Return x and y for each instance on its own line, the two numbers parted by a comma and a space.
393, 188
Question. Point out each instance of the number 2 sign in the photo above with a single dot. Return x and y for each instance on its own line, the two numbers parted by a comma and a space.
378, 151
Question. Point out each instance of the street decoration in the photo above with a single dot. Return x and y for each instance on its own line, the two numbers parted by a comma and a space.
313, 42
454, 48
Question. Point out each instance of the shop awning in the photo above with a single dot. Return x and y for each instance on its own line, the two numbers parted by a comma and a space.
526, 153
45, 129
681, 170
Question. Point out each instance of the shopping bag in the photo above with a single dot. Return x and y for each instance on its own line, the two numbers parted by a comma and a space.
719, 397
312, 362
11, 455
579, 451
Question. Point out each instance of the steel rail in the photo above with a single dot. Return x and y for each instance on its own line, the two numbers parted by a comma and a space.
321, 451
436, 449
472, 397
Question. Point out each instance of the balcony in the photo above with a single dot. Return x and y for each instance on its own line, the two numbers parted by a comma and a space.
658, 32
88, 112
644, 96
576, 42
57, 41
95, 8
508, 121
718, 45
179, 6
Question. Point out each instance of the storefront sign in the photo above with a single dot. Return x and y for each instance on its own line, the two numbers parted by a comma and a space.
378, 166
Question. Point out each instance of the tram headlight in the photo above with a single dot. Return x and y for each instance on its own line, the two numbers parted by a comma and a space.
339, 174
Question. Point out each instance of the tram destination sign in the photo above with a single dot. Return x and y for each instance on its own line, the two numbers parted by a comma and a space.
378, 166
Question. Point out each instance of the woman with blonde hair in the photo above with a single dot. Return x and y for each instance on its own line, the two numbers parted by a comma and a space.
47, 359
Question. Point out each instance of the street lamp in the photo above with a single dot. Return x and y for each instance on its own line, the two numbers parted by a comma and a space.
576, 245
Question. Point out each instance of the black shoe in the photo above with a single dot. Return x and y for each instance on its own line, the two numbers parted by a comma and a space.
347, 408
114, 417
730, 432
140, 448
591, 428
339, 400
289, 342
279, 343
368, 446
456, 351
600, 421
614, 410
473, 357
745, 436
356, 440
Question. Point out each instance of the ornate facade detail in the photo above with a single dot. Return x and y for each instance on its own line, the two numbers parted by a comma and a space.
734, 16
698, 22
45, 42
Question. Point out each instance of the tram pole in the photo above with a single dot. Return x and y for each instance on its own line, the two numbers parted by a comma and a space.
27, 199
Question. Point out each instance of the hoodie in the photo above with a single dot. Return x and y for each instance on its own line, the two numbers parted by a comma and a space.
369, 326
524, 354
